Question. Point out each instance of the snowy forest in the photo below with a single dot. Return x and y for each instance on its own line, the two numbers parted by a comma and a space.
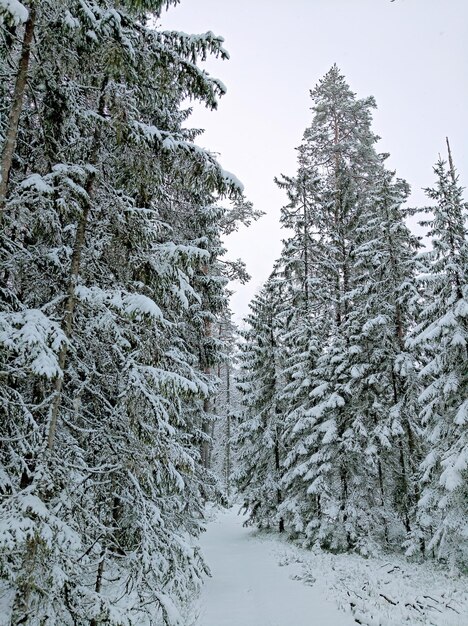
131, 404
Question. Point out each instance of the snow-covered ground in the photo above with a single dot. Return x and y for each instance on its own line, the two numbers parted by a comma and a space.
262, 580
248, 588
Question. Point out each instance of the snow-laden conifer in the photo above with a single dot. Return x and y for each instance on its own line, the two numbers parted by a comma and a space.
441, 337
259, 434
109, 263
348, 386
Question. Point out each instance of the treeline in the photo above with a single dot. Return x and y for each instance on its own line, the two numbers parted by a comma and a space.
112, 284
354, 366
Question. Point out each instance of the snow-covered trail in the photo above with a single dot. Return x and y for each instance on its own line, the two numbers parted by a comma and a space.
249, 588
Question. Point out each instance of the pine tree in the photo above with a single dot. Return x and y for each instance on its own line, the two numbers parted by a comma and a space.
383, 384
339, 148
348, 393
303, 333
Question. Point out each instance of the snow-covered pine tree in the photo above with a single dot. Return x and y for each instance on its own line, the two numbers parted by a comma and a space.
100, 480
338, 147
349, 388
226, 403
441, 337
302, 343
259, 434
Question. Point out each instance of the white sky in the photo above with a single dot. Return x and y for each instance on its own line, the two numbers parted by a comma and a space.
412, 55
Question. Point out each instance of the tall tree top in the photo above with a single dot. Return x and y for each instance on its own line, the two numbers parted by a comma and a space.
340, 132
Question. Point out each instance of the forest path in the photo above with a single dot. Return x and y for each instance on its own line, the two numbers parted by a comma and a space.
249, 588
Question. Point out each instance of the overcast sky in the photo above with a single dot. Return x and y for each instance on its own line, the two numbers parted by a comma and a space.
412, 55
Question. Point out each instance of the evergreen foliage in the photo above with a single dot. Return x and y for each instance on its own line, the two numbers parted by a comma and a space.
259, 436
347, 427
111, 277
370, 391
441, 339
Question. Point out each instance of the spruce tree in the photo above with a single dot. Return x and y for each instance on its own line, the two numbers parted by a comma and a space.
339, 147
259, 435
110, 265
441, 338
348, 385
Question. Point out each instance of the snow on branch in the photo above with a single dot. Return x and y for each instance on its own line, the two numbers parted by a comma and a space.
131, 304
13, 11
35, 339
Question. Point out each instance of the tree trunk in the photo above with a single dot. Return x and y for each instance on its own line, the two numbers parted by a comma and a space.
279, 495
344, 502
205, 444
337, 217
98, 585
382, 496
407, 481
67, 323
404, 479
306, 250
16, 108
205, 447
228, 431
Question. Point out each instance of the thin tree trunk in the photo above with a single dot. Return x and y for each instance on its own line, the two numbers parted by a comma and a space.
306, 250
337, 217
344, 501
67, 323
205, 444
404, 478
400, 337
21, 603
16, 108
279, 495
228, 432
210, 447
382, 496
98, 585
205, 448
345, 282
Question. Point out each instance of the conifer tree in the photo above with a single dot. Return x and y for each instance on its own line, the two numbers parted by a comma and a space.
383, 384
339, 147
304, 330
348, 385
442, 338
259, 435
110, 259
